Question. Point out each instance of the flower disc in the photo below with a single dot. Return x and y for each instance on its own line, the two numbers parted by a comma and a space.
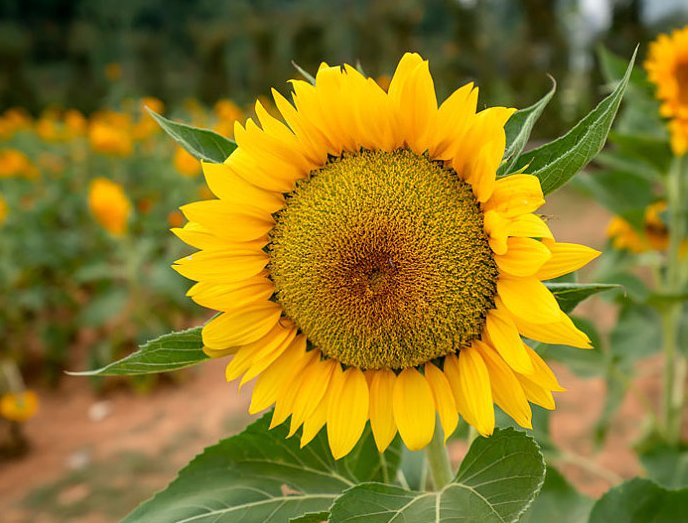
382, 260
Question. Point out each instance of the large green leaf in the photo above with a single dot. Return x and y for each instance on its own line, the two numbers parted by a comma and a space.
498, 479
518, 129
641, 501
614, 67
558, 502
169, 352
202, 144
259, 476
569, 295
636, 335
667, 465
645, 148
556, 162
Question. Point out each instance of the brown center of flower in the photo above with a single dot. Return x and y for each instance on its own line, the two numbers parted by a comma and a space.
682, 80
381, 260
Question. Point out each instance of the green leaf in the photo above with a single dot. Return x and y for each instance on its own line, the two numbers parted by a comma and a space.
202, 144
571, 294
518, 129
558, 502
641, 501
311, 517
169, 352
497, 481
556, 162
308, 77
667, 465
259, 476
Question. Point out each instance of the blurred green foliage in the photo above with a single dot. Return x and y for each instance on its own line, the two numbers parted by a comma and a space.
56, 51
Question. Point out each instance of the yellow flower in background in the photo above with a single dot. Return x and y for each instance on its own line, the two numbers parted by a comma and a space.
175, 219
109, 133
146, 126
185, 163
368, 265
109, 204
16, 119
655, 233
3, 209
227, 113
383, 81
20, 406
113, 71
16, 163
75, 123
667, 68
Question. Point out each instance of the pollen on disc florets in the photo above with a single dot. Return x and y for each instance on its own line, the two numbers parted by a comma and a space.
381, 259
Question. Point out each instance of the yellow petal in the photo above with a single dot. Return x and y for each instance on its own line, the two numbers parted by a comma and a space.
198, 236
516, 194
536, 393
562, 332
277, 337
528, 298
524, 257
241, 327
381, 413
269, 384
406, 65
314, 384
444, 399
529, 225
236, 223
347, 411
566, 257
453, 120
316, 421
543, 375
286, 398
232, 296
506, 389
227, 185
414, 408
497, 228
453, 374
225, 266
269, 352
474, 383
506, 339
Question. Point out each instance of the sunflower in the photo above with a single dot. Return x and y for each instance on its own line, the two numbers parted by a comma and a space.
667, 68
369, 266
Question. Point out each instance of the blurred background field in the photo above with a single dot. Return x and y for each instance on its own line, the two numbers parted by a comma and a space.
89, 188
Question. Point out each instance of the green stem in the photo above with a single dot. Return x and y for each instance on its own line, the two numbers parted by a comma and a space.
438, 459
674, 366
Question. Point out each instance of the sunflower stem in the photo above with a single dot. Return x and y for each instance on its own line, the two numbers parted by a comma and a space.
674, 365
438, 459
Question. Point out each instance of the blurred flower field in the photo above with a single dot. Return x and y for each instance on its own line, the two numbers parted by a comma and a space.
86, 205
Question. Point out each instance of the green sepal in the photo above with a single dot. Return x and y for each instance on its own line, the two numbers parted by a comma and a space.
202, 144
172, 351
518, 129
556, 162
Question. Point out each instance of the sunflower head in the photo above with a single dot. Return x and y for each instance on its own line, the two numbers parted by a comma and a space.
369, 266
667, 68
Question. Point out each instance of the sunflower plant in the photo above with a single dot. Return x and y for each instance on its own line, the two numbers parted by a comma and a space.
376, 262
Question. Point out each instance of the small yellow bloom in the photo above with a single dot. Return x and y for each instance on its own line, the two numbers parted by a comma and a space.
113, 71
185, 163
655, 234
15, 163
667, 68
109, 205
228, 110
175, 219
20, 406
75, 123
107, 137
3, 210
